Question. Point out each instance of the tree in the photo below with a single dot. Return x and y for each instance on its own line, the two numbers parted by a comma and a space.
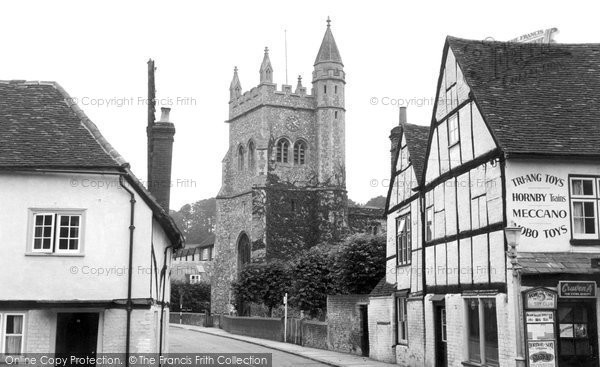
312, 281
196, 297
263, 283
197, 220
360, 264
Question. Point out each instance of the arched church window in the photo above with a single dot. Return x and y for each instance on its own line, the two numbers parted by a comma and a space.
300, 152
282, 151
241, 158
251, 156
243, 251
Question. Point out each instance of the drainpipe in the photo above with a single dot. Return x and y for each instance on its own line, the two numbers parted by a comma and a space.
162, 306
130, 273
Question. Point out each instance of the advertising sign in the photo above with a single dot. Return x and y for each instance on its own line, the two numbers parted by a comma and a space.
577, 289
539, 317
540, 298
541, 353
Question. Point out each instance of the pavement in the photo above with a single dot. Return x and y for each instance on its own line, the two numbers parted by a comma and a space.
319, 355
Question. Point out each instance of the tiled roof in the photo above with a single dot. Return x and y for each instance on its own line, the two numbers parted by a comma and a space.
41, 127
416, 141
383, 288
557, 262
538, 99
328, 52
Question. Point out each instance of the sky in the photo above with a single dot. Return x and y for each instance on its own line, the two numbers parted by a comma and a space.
391, 51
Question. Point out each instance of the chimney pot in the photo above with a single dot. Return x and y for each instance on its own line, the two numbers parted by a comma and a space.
165, 111
402, 115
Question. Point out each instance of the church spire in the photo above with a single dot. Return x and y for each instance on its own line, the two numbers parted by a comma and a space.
235, 88
266, 69
328, 51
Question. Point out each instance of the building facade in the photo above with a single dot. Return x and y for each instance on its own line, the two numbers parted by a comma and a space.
283, 189
397, 301
86, 248
193, 264
513, 142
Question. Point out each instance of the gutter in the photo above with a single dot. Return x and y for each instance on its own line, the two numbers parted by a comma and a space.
129, 305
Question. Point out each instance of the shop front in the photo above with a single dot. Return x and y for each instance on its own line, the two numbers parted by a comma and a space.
561, 322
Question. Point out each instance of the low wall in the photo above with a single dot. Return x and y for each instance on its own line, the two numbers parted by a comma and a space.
257, 327
314, 334
190, 318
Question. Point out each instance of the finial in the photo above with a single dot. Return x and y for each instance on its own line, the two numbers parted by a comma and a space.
266, 50
299, 78
328, 22
235, 69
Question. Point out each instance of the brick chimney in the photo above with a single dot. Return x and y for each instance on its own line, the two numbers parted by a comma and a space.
396, 136
161, 143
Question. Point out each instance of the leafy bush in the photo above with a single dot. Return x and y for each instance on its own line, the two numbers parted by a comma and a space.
196, 297
360, 264
263, 283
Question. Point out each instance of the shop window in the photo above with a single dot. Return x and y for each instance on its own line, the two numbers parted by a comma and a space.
482, 331
12, 336
403, 240
584, 208
402, 320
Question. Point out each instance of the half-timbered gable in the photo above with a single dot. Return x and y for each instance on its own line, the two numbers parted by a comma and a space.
463, 189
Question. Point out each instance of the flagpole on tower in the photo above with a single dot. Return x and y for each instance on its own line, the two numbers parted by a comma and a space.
286, 62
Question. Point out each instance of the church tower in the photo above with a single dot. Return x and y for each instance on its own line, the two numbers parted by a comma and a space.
328, 89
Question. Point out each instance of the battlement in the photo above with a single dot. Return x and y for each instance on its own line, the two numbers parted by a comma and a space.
267, 94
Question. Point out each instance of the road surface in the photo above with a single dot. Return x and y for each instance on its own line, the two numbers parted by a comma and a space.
187, 341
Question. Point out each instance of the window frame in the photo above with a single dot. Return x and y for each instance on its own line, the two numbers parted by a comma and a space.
3, 334
54, 249
34, 226
299, 157
453, 126
282, 151
593, 198
404, 249
402, 319
481, 330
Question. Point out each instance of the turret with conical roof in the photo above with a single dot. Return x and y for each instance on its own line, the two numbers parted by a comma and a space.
328, 90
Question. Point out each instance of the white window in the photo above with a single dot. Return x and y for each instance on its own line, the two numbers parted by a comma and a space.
194, 278
453, 133
403, 240
479, 212
56, 232
12, 333
402, 320
429, 224
584, 207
